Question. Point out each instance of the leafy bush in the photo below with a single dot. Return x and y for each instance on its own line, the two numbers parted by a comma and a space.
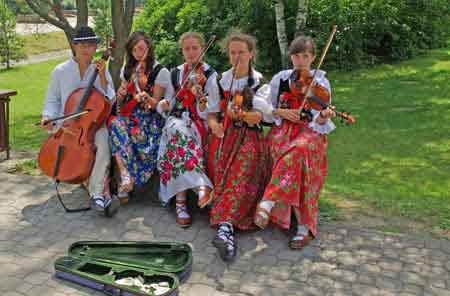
369, 31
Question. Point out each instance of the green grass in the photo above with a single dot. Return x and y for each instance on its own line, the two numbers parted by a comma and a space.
45, 42
396, 159
26, 108
27, 167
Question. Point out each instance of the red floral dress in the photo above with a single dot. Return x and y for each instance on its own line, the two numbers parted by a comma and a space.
299, 168
239, 170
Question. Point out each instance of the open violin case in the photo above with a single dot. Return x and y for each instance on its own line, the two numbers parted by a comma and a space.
124, 268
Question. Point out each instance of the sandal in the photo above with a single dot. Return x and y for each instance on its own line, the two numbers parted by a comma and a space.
262, 217
123, 197
206, 198
126, 183
299, 241
183, 218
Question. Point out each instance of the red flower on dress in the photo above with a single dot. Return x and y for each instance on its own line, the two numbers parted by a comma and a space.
170, 154
174, 139
190, 164
165, 177
191, 145
199, 152
181, 151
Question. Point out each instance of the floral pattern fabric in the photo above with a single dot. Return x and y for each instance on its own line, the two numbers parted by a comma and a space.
240, 176
299, 168
135, 139
180, 161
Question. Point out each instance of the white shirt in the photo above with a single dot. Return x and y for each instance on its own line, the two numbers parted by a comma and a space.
64, 80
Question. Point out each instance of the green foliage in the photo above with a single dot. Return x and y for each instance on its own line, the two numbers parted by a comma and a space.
69, 4
377, 31
167, 20
369, 31
11, 46
102, 19
19, 6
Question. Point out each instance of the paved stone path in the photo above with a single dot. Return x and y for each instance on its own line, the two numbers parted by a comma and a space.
34, 231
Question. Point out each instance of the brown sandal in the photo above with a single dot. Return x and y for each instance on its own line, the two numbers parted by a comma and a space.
123, 197
206, 199
181, 208
298, 244
126, 183
262, 217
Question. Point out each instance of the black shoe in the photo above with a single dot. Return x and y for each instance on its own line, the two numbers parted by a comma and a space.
226, 247
112, 205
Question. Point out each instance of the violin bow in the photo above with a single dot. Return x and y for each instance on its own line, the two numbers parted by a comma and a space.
322, 57
219, 149
65, 117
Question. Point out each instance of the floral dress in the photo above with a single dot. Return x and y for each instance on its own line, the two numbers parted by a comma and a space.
135, 133
181, 161
298, 157
240, 164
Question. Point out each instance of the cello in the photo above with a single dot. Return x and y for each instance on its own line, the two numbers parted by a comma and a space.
68, 155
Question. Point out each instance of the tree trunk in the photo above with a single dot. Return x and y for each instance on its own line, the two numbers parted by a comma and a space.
122, 20
281, 31
300, 20
8, 65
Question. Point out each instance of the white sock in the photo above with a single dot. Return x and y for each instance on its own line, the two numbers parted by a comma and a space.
266, 205
182, 198
302, 230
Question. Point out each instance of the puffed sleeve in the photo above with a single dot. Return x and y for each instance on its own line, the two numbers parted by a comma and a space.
163, 80
262, 102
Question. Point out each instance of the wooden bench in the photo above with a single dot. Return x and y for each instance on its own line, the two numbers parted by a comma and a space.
4, 119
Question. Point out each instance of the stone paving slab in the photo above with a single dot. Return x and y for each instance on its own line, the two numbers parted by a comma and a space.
34, 231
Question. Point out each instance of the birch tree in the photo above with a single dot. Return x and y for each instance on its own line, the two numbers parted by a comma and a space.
302, 14
281, 31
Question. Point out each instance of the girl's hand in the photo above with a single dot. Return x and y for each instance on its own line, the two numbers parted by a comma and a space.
252, 117
324, 115
122, 91
165, 105
101, 67
289, 114
217, 129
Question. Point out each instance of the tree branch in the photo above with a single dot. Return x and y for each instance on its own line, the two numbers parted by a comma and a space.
39, 9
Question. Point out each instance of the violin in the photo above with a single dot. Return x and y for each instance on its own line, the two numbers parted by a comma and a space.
195, 83
313, 95
135, 86
69, 154
318, 96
